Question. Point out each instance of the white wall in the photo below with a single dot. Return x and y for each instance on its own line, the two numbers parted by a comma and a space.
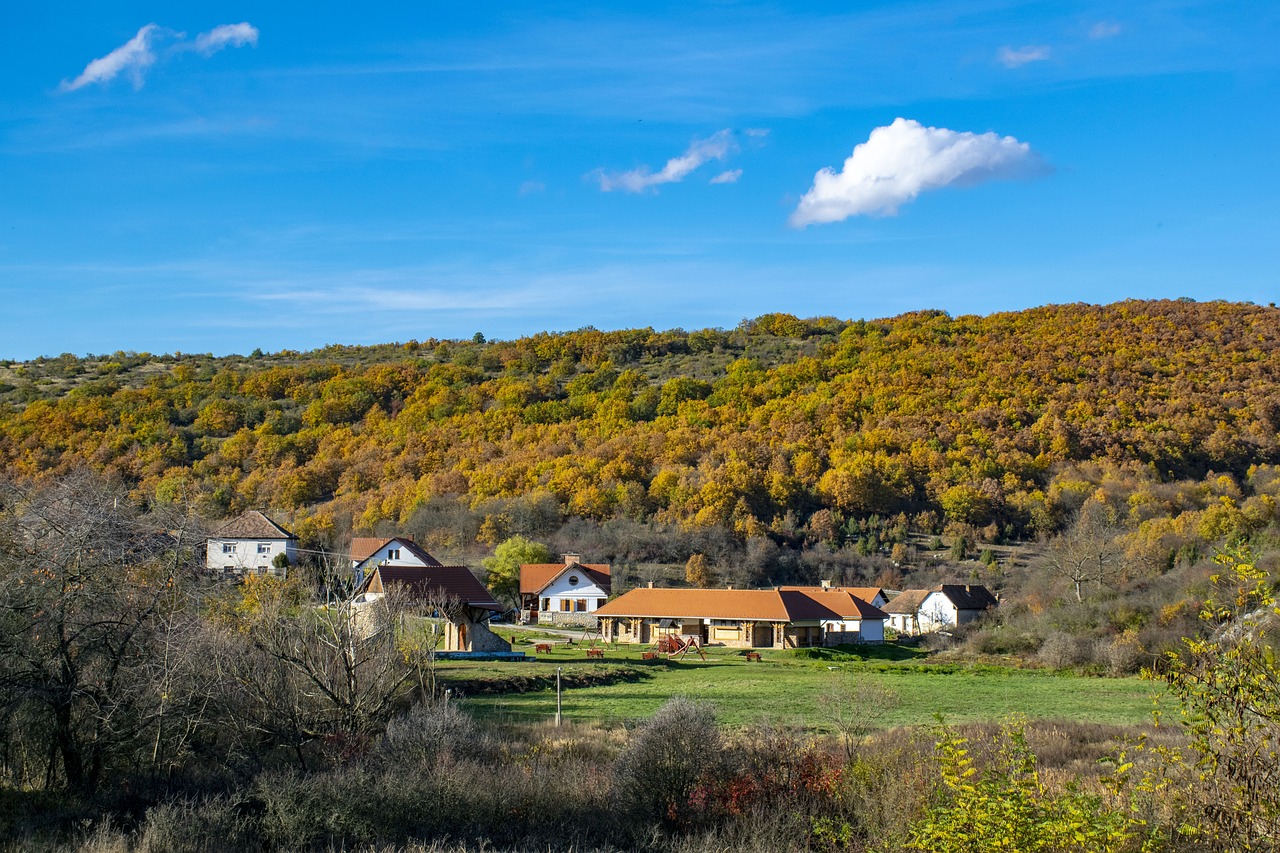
562, 589
248, 554
936, 613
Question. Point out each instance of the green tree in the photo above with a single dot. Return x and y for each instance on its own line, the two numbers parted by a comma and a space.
503, 568
1228, 684
1008, 807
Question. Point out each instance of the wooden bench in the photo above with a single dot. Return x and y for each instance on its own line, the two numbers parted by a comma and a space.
595, 653
649, 656
542, 648
753, 656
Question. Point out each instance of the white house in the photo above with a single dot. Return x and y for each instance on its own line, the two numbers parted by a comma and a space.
920, 611
367, 554
251, 542
553, 591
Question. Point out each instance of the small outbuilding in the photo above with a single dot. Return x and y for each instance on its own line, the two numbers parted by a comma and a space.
451, 593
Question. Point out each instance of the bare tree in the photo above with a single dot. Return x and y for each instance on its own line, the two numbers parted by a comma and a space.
87, 587
1086, 553
303, 671
856, 709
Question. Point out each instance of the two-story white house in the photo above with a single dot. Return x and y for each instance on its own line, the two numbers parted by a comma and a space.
250, 542
368, 553
569, 591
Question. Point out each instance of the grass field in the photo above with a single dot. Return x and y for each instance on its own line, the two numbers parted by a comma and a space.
786, 687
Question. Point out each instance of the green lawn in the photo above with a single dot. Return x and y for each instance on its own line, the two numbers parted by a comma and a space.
786, 687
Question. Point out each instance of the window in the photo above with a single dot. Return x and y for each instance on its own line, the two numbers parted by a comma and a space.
601, 602
264, 547
393, 553
546, 604
566, 605
573, 580
228, 547
580, 605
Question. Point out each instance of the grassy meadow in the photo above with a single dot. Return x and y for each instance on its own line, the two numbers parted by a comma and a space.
788, 686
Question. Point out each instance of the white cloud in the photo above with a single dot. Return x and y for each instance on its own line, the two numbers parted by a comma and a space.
1015, 57
701, 151
904, 159
729, 177
531, 187
235, 35
1104, 30
133, 57
138, 54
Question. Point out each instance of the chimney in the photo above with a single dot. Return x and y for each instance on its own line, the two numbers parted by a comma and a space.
729, 586
825, 584
570, 559
650, 584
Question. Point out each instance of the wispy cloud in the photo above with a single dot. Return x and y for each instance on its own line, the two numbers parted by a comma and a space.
729, 177
1011, 57
1104, 30
133, 58
902, 160
701, 151
136, 56
233, 35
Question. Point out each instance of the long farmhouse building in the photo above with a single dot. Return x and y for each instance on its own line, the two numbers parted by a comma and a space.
783, 618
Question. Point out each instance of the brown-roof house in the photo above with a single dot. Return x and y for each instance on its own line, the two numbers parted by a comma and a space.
451, 592
250, 542
922, 611
743, 618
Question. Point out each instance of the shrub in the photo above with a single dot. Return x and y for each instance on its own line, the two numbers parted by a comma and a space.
667, 757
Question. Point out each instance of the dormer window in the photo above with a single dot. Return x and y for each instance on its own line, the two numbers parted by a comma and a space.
573, 580
393, 553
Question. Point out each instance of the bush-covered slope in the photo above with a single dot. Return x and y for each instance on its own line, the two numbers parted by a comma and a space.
781, 426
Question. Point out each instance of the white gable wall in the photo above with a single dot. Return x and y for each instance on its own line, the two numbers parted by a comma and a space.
937, 613
563, 588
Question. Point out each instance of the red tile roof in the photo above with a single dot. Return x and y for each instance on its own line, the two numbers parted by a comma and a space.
765, 605
406, 543
534, 577
252, 525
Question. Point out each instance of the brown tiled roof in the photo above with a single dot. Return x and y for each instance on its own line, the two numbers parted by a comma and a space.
434, 581
766, 605
866, 593
252, 525
907, 602
534, 577
362, 547
844, 603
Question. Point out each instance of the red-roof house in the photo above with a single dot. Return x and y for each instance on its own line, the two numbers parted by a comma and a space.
568, 591
743, 618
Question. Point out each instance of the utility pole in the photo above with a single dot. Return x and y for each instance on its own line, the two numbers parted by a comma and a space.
558, 669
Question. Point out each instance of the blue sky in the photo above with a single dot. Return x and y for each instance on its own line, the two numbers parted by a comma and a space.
215, 177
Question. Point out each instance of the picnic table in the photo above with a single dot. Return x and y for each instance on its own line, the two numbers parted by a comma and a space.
542, 648
595, 653
753, 656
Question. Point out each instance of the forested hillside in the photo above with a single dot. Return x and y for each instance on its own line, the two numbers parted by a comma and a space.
798, 432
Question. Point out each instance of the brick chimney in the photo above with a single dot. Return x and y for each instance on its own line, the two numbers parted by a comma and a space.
570, 559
